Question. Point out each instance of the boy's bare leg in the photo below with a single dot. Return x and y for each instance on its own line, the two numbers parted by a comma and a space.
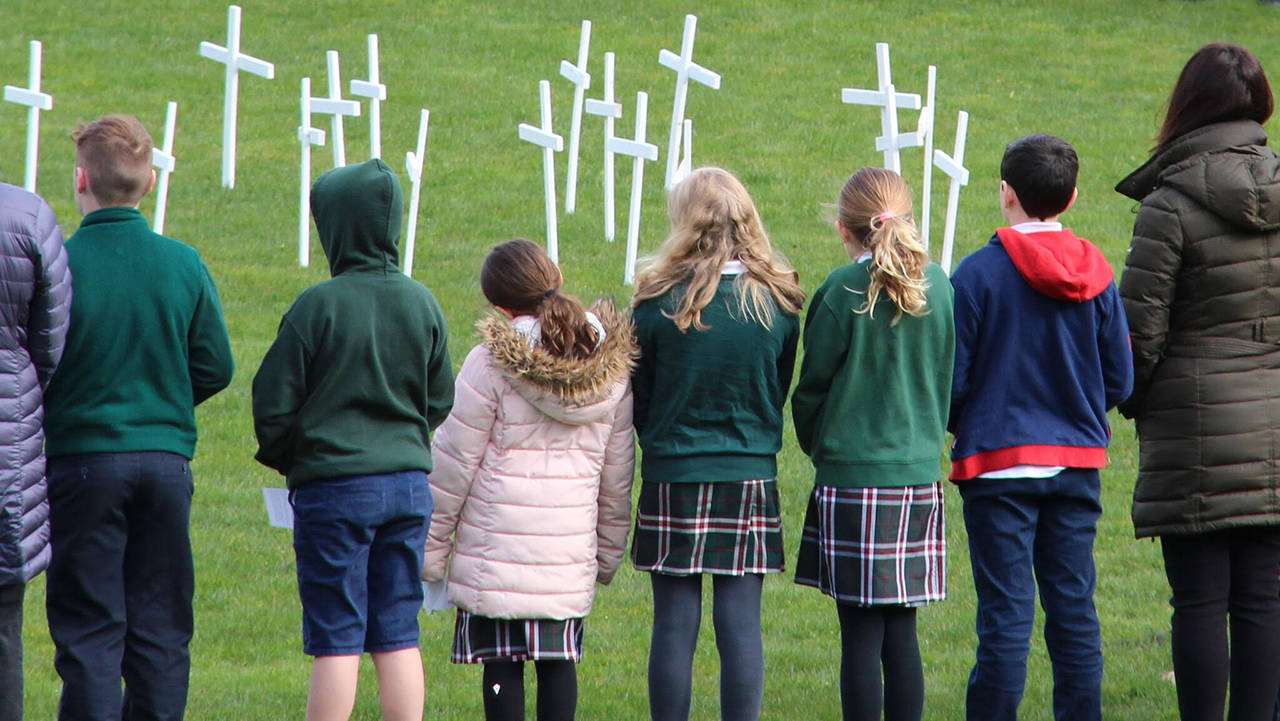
333, 687
400, 684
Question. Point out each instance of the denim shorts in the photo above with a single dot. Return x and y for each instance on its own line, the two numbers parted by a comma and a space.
358, 542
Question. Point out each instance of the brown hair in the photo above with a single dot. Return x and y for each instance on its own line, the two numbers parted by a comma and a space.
875, 206
1220, 82
713, 220
115, 152
518, 276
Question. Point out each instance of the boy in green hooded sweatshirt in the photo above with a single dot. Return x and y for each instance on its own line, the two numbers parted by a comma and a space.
343, 406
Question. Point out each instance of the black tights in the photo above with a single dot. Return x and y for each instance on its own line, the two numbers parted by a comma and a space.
874, 638
504, 690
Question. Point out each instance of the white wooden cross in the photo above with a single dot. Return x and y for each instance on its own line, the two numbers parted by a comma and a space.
235, 62
686, 70
543, 136
640, 151
686, 160
888, 100
336, 107
925, 131
307, 136
35, 101
953, 166
376, 92
576, 74
607, 109
162, 158
413, 163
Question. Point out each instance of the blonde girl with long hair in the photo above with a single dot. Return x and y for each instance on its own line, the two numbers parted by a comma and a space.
716, 313
870, 411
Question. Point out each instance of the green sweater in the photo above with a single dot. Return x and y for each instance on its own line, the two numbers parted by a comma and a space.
147, 342
871, 404
359, 372
708, 404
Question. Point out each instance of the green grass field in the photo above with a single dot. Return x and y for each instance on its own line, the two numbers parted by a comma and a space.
1093, 72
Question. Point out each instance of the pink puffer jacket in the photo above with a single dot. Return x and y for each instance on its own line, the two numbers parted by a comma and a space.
532, 475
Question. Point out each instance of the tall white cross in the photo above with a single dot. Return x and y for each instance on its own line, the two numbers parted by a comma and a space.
607, 109
543, 136
307, 137
640, 151
888, 100
576, 74
413, 163
35, 101
335, 106
953, 166
686, 70
376, 92
685, 166
235, 62
162, 158
925, 130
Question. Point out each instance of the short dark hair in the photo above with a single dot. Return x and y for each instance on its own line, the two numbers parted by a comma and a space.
1041, 170
1220, 82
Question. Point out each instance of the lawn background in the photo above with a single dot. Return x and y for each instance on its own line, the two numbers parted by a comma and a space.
1094, 72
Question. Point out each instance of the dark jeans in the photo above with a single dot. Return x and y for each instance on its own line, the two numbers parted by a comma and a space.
1024, 534
1225, 579
11, 651
677, 614
120, 584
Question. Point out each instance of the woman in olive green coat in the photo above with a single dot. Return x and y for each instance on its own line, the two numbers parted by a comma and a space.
1201, 288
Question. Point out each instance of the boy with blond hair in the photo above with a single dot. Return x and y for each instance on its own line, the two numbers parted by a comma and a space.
147, 344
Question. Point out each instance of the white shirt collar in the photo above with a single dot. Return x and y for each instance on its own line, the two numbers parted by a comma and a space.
1038, 226
733, 267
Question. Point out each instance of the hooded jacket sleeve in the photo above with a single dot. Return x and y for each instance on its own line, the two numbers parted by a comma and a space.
1114, 349
613, 519
208, 347
1147, 289
279, 390
439, 373
456, 451
968, 320
50, 311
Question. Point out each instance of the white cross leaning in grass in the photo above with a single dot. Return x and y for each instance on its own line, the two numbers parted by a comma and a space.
335, 106
162, 158
576, 74
543, 136
607, 109
35, 101
640, 151
413, 163
685, 70
235, 62
953, 166
376, 92
685, 167
888, 100
307, 137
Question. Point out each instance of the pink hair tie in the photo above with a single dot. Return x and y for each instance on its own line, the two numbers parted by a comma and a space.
884, 216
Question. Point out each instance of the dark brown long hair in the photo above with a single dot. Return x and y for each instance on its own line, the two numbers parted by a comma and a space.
1220, 82
517, 275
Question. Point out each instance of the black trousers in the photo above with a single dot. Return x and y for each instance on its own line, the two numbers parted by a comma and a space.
120, 584
11, 651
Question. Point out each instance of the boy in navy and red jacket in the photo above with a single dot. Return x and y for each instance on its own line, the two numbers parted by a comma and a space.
1042, 352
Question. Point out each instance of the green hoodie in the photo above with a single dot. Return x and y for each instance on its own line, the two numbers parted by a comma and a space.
359, 372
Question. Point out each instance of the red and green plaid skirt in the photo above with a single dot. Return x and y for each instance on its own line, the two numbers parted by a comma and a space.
730, 528
480, 639
875, 546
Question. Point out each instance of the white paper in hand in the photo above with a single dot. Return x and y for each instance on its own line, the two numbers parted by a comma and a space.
279, 512
435, 596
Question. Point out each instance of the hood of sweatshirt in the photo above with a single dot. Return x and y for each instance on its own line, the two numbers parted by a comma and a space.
1057, 264
358, 211
575, 392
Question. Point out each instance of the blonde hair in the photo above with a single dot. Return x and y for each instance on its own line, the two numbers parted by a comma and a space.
713, 221
875, 206
115, 151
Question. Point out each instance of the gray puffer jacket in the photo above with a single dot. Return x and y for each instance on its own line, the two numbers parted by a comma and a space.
35, 306
1201, 289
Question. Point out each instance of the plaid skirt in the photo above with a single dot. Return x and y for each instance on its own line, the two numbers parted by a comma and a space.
731, 528
875, 546
480, 639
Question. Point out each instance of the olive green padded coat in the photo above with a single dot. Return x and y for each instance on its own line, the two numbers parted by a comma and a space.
1201, 289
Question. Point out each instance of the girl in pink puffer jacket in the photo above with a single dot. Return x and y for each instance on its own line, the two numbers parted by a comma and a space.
532, 480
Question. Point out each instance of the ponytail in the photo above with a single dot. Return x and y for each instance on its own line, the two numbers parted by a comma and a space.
517, 275
875, 206
566, 332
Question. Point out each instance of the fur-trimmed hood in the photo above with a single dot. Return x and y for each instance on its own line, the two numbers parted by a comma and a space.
571, 391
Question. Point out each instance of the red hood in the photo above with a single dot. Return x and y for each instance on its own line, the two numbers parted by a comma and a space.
1058, 264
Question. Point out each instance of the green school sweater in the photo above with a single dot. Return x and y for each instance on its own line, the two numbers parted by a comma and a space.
359, 371
147, 342
708, 403
871, 405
